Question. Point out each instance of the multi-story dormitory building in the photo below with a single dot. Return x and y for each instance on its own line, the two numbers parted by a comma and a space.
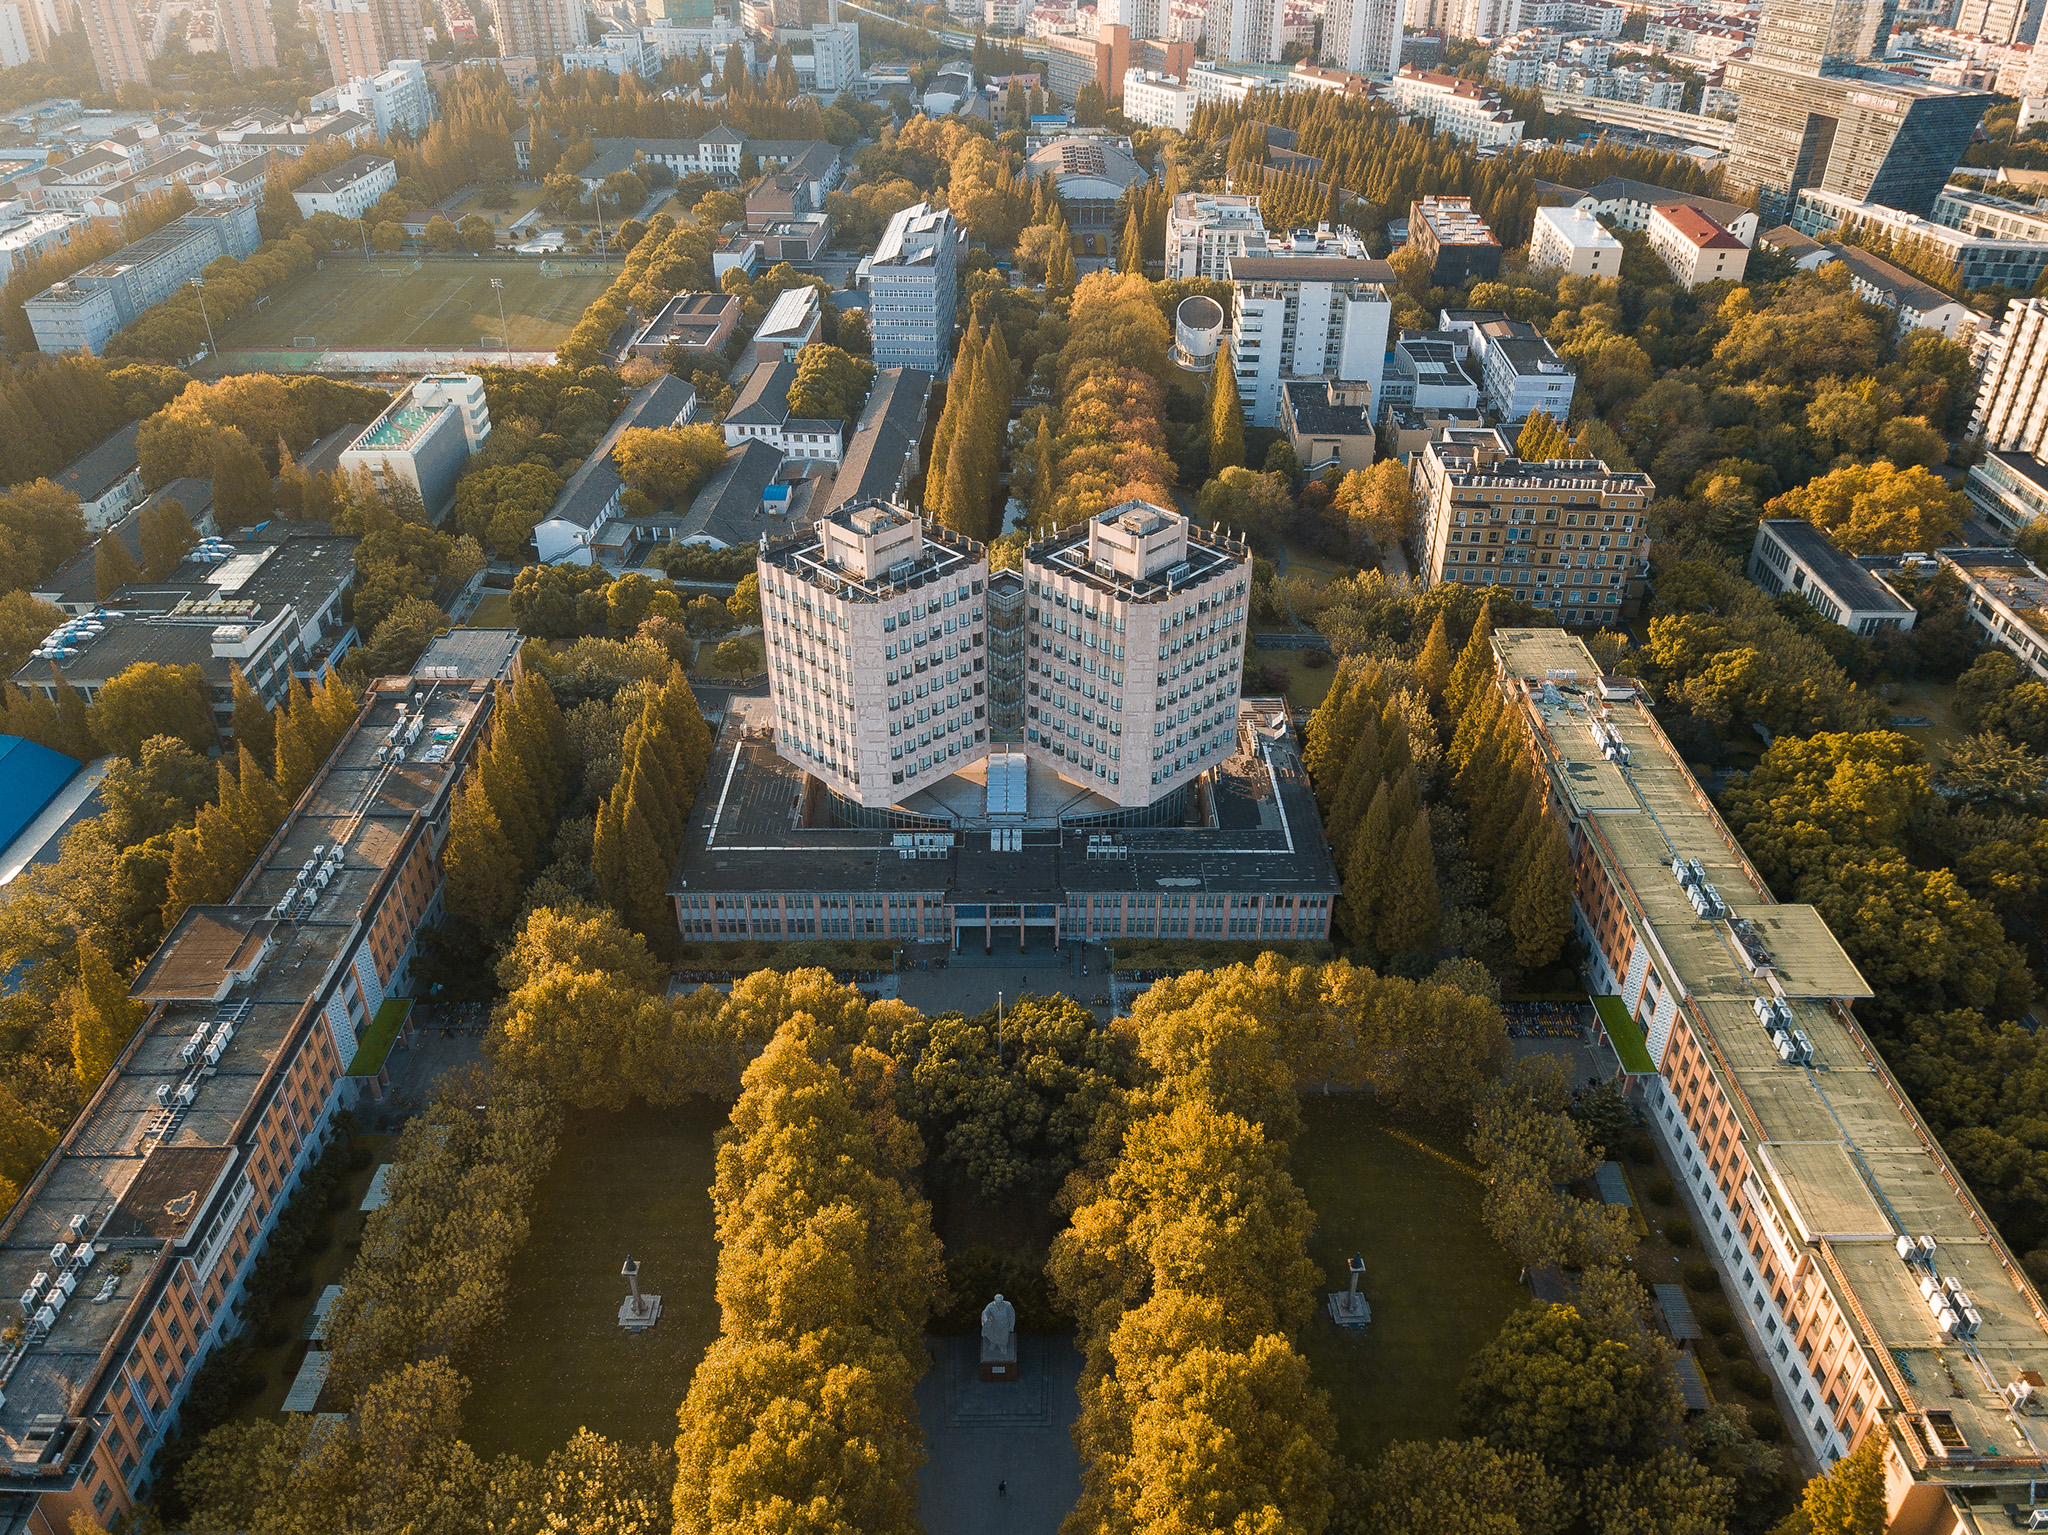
1059, 751
1884, 1300
131, 1245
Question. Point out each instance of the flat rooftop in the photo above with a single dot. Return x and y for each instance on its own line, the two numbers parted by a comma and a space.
398, 428
756, 826
1848, 1163
144, 1175
1066, 554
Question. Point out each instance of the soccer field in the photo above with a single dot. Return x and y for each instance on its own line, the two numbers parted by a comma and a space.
381, 304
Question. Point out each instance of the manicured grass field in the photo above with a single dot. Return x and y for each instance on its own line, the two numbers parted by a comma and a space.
493, 610
637, 1185
1439, 1285
351, 304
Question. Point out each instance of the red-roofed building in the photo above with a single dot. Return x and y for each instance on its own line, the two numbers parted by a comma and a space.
1694, 247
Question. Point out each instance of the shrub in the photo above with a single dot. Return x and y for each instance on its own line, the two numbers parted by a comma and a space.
1641, 1152
1765, 1423
1732, 1346
273, 1335
1315, 660
1714, 1316
1678, 1231
1708, 1364
1749, 1379
1701, 1277
1661, 1192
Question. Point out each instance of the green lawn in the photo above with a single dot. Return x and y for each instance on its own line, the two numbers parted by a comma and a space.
493, 610
1305, 685
446, 303
1932, 701
635, 1184
1439, 1285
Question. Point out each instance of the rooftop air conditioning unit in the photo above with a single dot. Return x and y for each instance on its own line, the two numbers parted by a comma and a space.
186, 1093
82, 1256
163, 1089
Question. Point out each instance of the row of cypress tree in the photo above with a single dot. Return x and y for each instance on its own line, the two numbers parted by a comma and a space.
964, 478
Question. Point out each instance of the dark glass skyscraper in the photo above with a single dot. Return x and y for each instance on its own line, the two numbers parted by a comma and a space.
1817, 112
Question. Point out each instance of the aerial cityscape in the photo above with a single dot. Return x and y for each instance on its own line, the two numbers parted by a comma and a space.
1059, 767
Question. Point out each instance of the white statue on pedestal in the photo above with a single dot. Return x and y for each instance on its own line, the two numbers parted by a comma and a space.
998, 1331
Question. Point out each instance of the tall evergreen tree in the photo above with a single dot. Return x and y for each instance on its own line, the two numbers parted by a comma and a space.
103, 1019
1475, 666
483, 869
1226, 420
1433, 666
1409, 919
252, 724
1131, 247
1366, 871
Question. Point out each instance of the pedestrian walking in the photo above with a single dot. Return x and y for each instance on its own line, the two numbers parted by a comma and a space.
1002, 1489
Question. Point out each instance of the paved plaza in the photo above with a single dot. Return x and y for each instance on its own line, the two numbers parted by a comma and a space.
970, 981
982, 1437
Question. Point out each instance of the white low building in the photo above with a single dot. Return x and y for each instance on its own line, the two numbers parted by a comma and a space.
350, 190
1575, 240
1792, 555
617, 53
1158, 101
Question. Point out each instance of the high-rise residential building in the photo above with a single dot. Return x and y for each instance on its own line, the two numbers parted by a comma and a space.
1312, 306
1143, 18
1364, 36
246, 36
2003, 21
541, 28
115, 40
911, 281
362, 37
348, 35
2012, 396
1245, 31
1817, 110
1568, 535
1205, 229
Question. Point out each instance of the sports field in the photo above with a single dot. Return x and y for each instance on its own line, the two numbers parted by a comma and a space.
378, 304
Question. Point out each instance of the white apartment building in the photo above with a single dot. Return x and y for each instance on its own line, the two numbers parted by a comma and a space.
826, 57
1205, 229
877, 651
1694, 247
397, 98
1572, 238
1985, 243
350, 190
1462, 109
1134, 651
14, 44
1158, 101
1315, 306
1364, 36
1248, 30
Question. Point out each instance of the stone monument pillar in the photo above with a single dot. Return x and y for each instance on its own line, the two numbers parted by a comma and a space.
999, 1341
638, 1311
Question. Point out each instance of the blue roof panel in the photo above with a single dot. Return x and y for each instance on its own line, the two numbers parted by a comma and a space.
30, 776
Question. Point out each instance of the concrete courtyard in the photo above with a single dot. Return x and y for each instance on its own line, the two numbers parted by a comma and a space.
970, 981
1014, 1437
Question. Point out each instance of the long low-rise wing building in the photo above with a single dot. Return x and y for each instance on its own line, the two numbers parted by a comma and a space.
1885, 1301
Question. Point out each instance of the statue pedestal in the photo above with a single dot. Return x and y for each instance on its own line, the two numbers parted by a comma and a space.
639, 1314
999, 1369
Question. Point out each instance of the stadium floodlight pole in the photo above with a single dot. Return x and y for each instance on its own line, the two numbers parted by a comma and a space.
199, 285
363, 230
504, 333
